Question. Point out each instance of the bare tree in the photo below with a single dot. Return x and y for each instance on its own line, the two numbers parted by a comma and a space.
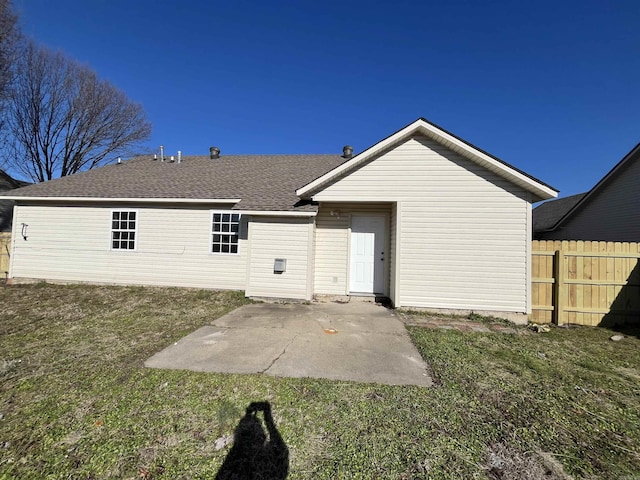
8, 43
64, 119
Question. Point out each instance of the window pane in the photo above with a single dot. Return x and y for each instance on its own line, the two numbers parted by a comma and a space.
123, 226
224, 228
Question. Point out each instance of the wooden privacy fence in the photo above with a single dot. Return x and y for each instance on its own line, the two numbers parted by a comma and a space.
585, 283
5, 245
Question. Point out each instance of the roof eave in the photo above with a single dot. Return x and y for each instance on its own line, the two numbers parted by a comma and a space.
200, 201
119, 199
278, 213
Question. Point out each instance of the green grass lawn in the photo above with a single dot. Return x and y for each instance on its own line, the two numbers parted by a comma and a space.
77, 403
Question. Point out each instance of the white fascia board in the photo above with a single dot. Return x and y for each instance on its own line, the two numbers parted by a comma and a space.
482, 158
276, 213
271, 213
431, 131
120, 199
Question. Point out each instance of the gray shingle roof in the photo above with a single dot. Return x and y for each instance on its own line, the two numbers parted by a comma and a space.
546, 215
262, 182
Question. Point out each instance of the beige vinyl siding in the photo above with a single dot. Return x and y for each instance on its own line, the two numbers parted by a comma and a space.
462, 229
393, 253
288, 238
173, 245
331, 275
612, 214
331, 252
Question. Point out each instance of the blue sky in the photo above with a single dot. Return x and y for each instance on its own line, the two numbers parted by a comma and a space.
552, 87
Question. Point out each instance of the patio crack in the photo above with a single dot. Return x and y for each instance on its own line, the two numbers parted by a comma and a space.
284, 350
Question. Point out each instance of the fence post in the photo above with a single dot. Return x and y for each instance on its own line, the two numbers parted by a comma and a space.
559, 274
5, 243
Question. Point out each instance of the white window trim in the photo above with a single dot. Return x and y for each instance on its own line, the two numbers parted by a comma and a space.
135, 244
211, 233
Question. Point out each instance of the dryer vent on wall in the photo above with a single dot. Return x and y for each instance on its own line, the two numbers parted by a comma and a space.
280, 265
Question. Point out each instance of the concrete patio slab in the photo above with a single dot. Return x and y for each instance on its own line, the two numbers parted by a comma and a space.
356, 341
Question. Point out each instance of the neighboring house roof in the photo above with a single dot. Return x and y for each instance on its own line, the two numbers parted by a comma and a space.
8, 183
546, 215
616, 171
250, 182
6, 206
421, 126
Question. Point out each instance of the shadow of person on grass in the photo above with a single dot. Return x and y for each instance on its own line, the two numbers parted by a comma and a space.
255, 455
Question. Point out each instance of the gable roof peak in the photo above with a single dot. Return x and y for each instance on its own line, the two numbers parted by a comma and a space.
627, 160
422, 126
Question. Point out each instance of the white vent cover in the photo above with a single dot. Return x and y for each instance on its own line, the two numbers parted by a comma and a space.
280, 265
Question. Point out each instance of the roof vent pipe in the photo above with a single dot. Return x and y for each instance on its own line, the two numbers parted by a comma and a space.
214, 152
347, 151
179, 156
162, 153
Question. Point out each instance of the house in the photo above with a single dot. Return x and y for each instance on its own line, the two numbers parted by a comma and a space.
548, 213
421, 217
6, 206
610, 211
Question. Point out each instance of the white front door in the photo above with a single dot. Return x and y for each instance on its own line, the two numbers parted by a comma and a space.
368, 241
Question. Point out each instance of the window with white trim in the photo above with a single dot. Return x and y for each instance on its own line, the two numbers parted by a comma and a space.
225, 227
123, 229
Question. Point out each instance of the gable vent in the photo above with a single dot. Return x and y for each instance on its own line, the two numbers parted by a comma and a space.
214, 152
